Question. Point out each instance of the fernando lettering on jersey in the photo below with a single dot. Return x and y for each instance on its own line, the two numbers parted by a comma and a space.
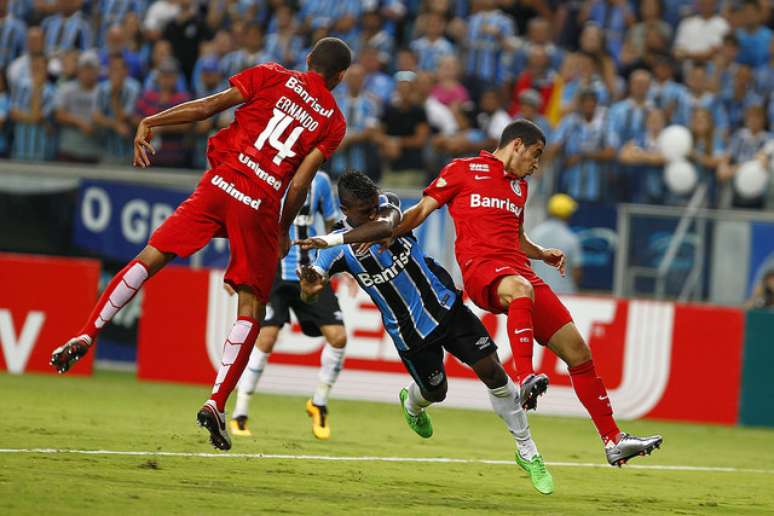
479, 201
236, 194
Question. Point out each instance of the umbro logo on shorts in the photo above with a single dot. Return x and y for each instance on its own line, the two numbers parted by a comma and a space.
436, 378
482, 343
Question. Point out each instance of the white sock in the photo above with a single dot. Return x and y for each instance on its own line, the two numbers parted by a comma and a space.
331, 361
506, 403
415, 402
255, 366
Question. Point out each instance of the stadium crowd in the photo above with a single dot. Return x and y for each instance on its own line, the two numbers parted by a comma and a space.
432, 80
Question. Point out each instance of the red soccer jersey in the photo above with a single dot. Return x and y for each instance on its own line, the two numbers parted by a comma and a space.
487, 206
285, 116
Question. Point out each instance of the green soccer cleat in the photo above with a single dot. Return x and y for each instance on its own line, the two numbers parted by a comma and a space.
541, 478
421, 424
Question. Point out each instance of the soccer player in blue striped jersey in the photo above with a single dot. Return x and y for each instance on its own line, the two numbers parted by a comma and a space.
322, 319
422, 312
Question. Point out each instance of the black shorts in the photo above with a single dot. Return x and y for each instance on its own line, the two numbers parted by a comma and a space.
286, 295
462, 334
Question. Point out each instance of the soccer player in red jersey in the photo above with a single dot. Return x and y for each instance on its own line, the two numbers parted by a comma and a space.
486, 197
287, 125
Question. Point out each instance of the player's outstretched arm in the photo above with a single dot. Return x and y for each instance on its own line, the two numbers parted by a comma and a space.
377, 230
185, 113
553, 257
416, 215
296, 195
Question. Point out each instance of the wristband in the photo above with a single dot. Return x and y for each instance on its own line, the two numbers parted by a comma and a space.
332, 239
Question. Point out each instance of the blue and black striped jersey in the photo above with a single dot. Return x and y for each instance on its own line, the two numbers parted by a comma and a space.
413, 293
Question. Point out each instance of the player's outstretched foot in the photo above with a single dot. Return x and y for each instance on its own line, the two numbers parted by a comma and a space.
321, 425
421, 423
630, 446
536, 469
239, 426
215, 423
63, 357
533, 386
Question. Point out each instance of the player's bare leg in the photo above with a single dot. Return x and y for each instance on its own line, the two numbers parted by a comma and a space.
121, 289
259, 356
569, 345
504, 396
236, 352
516, 294
331, 361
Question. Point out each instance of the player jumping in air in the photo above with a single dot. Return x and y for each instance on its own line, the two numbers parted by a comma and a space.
421, 310
288, 124
322, 318
486, 197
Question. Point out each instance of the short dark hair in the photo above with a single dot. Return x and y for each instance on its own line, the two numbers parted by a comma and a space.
329, 56
526, 131
356, 185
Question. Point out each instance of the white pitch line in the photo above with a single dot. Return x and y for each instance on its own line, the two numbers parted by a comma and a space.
441, 460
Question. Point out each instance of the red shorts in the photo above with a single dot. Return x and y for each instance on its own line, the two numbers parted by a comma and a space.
243, 213
482, 278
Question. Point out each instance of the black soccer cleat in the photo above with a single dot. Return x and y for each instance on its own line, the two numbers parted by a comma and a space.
63, 357
631, 446
215, 422
534, 386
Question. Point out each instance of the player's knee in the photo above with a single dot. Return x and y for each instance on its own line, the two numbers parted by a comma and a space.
578, 352
514, 287
338, 340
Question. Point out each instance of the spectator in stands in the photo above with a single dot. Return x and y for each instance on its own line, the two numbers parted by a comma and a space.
64, 68
373, 33
251, 53
5, 111
755, 39
747, 143
650, 19
113, 12
378, 84
406, 60
586, 77
708, 150
162, 51
627, 117
655, 42
585, 151
346, 16
32, 103
723, 66
740, 96
490, 33
449, 91
284, 45
537, 76
763, 293
116, 44
643, 163
158, 15
13, 32
555, 232
664, 91
210, 81
490, 120
185, 33
697, 93
75, 104
538, 36
530, 107
699, 36
592, 42
441, 119
168, 141
116, 98
68, 29
613, 17
19, 69
134, 40
433, 46
362, 118
403, 135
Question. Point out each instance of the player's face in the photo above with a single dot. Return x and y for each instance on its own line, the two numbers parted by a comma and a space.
358, 211
524, 160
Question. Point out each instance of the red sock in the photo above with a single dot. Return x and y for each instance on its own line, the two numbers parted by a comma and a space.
520, 335
119, 291
592, 393
236, 353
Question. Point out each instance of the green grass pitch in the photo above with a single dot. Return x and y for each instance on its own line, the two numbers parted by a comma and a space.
113, 411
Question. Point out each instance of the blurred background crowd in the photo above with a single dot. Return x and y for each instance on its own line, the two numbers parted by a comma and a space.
431, 80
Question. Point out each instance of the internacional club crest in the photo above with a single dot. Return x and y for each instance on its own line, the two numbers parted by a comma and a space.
516, 186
